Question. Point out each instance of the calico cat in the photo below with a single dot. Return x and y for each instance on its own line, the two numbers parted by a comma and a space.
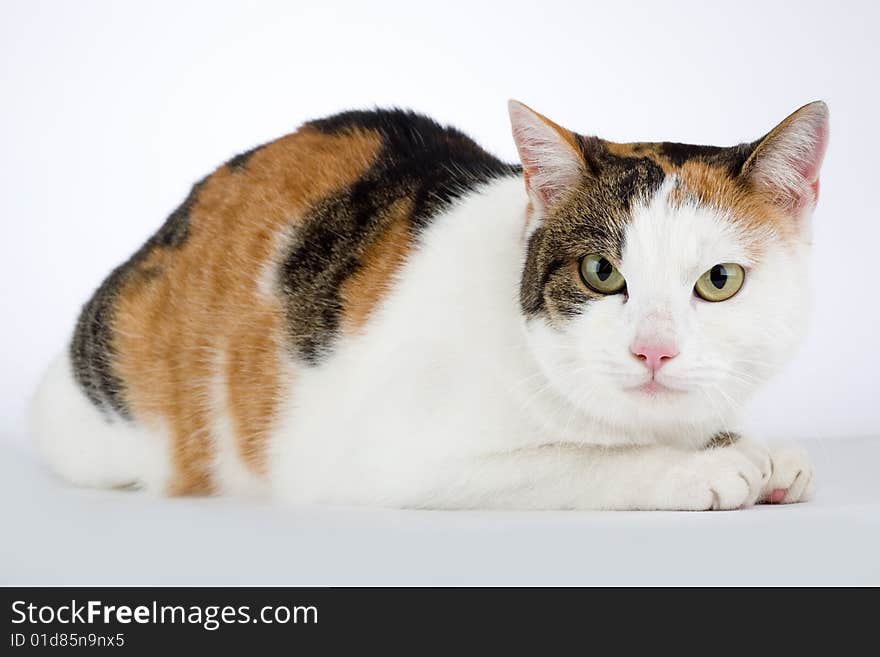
374, 310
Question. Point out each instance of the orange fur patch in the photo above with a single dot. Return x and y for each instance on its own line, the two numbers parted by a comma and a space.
714, 187
186, 309
254, 383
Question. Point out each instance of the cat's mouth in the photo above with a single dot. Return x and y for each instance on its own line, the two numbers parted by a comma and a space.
654, 388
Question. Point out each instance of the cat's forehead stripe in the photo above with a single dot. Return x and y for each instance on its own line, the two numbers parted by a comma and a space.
671, 156
710, 176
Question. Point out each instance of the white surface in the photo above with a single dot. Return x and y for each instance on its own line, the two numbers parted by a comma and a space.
54, 534
111, 110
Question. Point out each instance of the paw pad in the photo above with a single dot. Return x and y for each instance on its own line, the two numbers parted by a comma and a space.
776, 496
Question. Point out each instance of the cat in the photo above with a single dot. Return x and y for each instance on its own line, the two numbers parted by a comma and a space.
374, 310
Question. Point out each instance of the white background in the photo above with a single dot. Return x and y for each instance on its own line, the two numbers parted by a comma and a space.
110, 110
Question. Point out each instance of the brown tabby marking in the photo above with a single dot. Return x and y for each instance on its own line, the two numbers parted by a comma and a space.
179, 311
363, 290
723, 439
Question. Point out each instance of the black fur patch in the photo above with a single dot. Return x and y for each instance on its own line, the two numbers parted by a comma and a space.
91, 350
420, 160
430, 163
240, 161
730, 158
173, 232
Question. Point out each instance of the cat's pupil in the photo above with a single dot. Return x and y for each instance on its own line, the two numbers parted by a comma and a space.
604, 269
718, 276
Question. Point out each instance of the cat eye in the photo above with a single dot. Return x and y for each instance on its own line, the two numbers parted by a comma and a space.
600, 275
721, 282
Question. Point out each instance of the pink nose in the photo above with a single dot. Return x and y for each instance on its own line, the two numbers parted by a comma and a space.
653, 355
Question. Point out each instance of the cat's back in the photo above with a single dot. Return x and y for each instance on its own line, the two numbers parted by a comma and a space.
271, 258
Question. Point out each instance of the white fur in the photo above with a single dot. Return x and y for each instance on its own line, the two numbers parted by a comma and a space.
89, 448
450, 399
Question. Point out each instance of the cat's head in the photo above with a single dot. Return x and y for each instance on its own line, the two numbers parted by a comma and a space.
664, 282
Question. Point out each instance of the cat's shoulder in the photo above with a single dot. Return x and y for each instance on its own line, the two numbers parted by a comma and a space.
418, 142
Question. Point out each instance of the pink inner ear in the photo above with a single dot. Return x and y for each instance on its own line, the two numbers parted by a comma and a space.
788, 162
529, 156
812, 172
809, 166
550, 164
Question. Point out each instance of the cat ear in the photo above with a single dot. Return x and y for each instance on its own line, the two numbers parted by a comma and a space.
551, 159
785, 163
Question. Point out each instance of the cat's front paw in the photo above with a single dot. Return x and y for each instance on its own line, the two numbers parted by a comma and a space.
792, 478
722, 478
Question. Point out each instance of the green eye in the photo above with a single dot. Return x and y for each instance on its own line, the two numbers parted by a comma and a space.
600, 275
720, 283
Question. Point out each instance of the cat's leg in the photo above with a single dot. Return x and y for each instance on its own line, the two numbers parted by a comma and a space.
587, 477
88, 447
